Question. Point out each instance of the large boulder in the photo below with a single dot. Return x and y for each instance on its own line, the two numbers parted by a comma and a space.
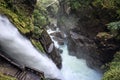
53, 53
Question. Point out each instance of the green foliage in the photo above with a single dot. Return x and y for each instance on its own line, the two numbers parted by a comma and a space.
113, 74
77, 4
3, 77
108, 4
40, 21
114, 27
113, 11
105, 3
37, 32
39, 18
40, 15
19, 19
38, 45
46, 3
114, 70
117, 57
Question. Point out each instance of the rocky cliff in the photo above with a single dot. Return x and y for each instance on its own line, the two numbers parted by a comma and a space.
86, 24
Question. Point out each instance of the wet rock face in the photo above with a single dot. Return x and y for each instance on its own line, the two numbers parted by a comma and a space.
107, 46
50, 49
81, 42
81, 28
83, 47
58, 34
59, 37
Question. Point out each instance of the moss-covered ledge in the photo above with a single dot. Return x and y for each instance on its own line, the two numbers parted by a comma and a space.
19, 13
17, 16
4, 77
113, 72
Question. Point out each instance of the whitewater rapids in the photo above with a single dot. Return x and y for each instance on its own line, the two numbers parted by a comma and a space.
74, 68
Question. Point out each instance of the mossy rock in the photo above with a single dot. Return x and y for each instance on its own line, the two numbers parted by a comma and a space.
4, 77
38, 45
21, 21
114, 69
18, 15
113, 74
104, 35
117, 57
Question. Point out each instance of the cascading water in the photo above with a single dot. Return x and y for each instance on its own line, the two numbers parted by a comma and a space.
73, 68
19, 49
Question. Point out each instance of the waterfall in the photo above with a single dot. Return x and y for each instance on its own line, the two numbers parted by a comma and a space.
74, 68
21, 51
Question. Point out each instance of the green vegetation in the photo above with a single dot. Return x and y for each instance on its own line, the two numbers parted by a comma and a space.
45, 3
21, 14
114, 27
23, 19
40, 15
77, 4
37, 45
107, 3
110, 4
40, 21
113, 9
39, 18
113, 72
109, 11
3, 77
17, 15
26, 22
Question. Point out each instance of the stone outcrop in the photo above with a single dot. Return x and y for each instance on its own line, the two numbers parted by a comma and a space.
53, 54
107, 46
82, 26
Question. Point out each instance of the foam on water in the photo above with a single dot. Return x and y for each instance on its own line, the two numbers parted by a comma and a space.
74, 68
77, 69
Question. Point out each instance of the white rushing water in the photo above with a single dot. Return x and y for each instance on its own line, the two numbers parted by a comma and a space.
73, 68
22, 51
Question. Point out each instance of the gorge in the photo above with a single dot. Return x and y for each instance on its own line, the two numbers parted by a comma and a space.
22, 53
74, 68
59, 40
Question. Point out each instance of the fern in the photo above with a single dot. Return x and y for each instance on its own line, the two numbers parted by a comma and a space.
114, 27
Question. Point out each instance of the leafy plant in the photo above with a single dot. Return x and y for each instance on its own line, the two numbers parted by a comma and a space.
114, 71
114, 27
113, 74
40, 15
77, 4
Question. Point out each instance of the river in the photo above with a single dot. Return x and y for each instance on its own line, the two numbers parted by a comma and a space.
74, 68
